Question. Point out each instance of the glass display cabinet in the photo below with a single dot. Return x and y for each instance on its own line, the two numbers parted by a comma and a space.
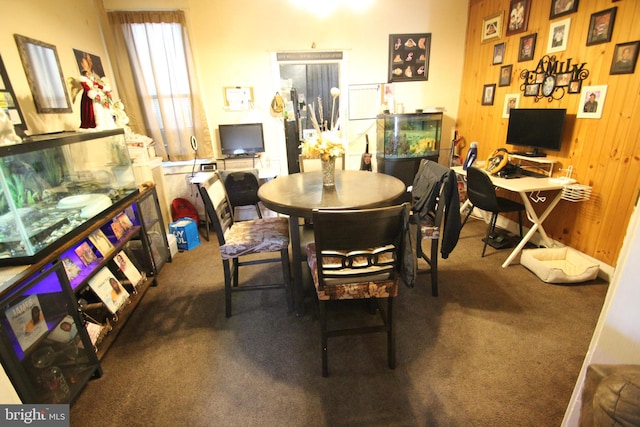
51, 186
45, 349
403, 140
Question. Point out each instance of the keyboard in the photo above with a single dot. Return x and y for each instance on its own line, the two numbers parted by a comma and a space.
532, 174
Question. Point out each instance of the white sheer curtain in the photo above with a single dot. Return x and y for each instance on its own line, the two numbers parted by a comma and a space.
165, 81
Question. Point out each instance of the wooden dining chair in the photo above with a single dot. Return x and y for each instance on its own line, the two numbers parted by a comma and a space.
435, 197
308, 164
242, 239
357, 255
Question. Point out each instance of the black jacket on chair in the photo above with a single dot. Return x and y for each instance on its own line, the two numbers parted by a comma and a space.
430, 178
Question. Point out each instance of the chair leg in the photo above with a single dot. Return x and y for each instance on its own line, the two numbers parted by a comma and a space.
391, 335
492, 224
520, 222
236, 273
322, 317
434, 267
227, 287
467, 216
286, 275
258, 211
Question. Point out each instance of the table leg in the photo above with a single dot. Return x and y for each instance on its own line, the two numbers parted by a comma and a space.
296, 267
537, 225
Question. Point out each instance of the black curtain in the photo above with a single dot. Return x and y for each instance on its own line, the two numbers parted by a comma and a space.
320, 79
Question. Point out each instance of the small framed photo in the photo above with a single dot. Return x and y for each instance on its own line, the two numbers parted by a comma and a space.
498, 53
527, 47
549, 85
540, 77
558, 35
601, 26
591, 102
531, 89
488, 93
574, 86
505, 75
563, 79
518, 19
562, 7
625, 57
511, 101
492, 27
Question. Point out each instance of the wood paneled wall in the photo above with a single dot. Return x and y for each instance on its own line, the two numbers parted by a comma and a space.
604, 153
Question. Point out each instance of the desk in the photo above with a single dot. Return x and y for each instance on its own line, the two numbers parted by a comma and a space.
298, 194
524, 186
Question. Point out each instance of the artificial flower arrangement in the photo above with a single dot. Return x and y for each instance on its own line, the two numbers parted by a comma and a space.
323, 144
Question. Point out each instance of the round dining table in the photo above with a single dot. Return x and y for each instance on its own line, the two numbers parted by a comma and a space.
297, 195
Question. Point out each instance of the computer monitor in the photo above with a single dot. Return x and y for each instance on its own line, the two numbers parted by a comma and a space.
537, 129
241, 139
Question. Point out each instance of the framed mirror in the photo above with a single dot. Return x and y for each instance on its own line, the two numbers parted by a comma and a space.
42, 67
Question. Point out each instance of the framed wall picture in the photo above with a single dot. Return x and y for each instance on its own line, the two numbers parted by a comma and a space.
488, 94
574, 86
505, 75
511, 101
527, 47
562, 7
558, 36
625, 57
592, 102
492, 27
9, 102
409, 57
89, 65
601, 26
498, 53
518, 18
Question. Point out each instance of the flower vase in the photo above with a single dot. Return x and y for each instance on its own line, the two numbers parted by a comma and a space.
328, 171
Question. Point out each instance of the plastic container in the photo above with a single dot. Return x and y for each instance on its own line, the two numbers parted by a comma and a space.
472, 154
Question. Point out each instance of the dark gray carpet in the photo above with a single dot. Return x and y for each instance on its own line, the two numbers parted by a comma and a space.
498, 347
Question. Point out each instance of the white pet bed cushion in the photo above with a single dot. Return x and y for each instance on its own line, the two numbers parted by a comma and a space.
559, 265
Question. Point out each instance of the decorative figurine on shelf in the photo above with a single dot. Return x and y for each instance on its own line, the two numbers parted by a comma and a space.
8, 134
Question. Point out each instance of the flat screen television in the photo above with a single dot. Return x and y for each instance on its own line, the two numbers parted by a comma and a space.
241, 139
536, 129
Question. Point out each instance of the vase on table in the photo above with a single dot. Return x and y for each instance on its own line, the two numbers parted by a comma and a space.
328, 171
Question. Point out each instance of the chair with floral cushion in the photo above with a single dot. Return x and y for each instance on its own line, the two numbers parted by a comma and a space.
357, 255
244, 238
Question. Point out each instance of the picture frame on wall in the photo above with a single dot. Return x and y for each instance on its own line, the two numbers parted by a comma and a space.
492, 27
518, 16
574, 86
592, 102
562, 7
601, 26
9, 103
625, 56
558, 36
527, 47
409, 57
511, 101
488, 94
498, 53
505, 75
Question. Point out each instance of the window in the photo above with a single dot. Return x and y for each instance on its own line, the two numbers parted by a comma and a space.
158, 52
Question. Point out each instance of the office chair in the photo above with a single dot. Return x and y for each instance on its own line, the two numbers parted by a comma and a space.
242, 188
357, 254
307, 164
238, 239
482, 194
434, 196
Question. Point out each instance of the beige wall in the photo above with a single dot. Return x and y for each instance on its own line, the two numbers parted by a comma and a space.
66, 24
233, 42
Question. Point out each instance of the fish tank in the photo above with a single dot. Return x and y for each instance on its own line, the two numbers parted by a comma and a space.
408, 135
403, 140
53, 185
